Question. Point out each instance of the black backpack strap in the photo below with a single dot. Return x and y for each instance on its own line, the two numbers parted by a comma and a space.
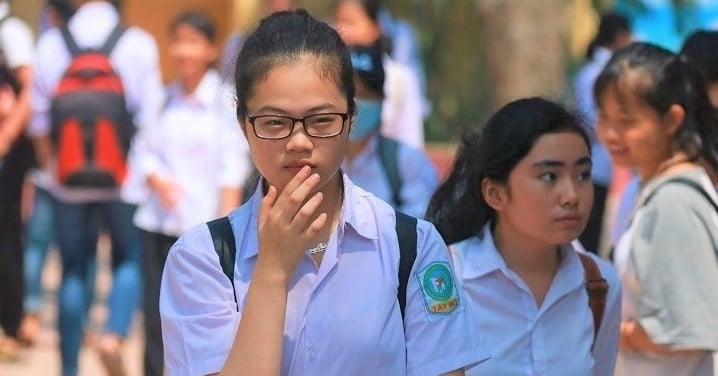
223, 239
406, 232
69, 41
597, 290
112, 40
388, 151
691, 183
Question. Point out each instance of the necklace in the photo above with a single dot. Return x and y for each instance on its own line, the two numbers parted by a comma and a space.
321, 247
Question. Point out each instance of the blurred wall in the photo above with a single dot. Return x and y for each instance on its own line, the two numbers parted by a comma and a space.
28, 10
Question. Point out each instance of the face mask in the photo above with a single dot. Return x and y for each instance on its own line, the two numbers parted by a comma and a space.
367, 120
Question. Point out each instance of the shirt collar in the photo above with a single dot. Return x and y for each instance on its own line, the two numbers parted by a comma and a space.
481, 255
355, 214
481, 258
205, 94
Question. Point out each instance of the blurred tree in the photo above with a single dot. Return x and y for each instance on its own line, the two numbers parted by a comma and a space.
524, 47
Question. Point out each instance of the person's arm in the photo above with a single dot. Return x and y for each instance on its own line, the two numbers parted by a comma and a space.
634, 337
287, 225
429, 321
14, 124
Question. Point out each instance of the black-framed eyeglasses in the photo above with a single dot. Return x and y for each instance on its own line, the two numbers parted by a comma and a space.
274, 127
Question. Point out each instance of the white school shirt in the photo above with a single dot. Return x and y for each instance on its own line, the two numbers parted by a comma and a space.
134, 58
198, 144
342, 319
554, 339
402, 114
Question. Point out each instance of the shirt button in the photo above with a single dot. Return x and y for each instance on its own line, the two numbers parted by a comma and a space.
311, 352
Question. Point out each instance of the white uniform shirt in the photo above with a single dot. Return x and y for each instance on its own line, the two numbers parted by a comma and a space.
402, 111
342, 319
16, 41
554, 339
198, 145
134, 58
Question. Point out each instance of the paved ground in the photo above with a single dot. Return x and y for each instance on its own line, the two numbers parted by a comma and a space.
43, 359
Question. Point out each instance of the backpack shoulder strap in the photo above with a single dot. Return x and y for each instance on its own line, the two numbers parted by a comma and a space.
388, 151
691, 183
406, 232
597, 290
223, 239
112, 40
69, 41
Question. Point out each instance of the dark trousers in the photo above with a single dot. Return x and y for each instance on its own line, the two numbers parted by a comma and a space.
12, 174
156, 247
591, 236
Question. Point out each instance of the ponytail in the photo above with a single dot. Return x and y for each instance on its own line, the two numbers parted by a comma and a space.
698, 136
457, 208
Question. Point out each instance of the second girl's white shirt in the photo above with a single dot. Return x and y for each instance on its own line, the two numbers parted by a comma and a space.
198, 144
553, 339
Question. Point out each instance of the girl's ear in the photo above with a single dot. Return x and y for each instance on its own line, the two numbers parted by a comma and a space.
673, 119
494, 194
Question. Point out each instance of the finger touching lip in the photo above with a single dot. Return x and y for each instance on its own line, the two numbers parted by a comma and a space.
296, 166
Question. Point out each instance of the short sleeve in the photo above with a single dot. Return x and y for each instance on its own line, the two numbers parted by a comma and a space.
197, 307
441, 334
675, 259
17, 43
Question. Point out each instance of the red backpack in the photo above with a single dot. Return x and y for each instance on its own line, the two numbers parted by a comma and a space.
91, 127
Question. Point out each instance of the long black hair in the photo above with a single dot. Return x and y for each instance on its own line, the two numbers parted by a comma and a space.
283, 38
458, 208
659, 78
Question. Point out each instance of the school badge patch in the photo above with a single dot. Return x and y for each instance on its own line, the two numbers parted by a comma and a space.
438, 288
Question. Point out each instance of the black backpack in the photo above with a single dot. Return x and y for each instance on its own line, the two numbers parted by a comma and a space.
224, 245
91, 127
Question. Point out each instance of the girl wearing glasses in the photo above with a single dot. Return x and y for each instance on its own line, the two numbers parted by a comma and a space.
315, 277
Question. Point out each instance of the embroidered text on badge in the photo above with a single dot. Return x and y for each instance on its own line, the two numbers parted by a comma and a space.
438, 288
